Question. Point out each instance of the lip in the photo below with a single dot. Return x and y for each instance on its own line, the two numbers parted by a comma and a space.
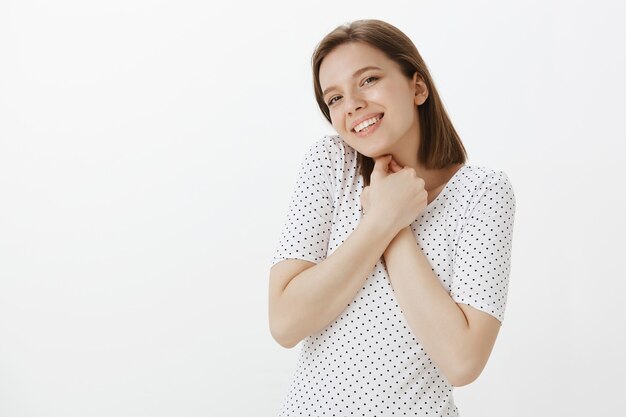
370, 131
364, 118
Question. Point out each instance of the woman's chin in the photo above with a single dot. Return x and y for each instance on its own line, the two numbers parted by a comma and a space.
369, 155
375, 154
369, 151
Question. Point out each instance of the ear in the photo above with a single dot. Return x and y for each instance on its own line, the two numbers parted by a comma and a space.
420, 88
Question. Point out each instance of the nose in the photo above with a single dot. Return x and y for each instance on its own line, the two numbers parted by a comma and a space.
353, 102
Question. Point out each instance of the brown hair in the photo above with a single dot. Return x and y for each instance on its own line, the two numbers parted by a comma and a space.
440, 145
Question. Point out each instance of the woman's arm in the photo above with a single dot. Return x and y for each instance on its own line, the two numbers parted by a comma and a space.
306, 303
458, 338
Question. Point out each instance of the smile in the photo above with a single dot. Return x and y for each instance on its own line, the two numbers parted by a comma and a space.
368, 125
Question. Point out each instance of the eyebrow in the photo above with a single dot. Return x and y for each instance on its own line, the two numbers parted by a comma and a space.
356, 74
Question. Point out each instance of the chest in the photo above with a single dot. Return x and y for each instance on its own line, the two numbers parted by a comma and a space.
436, 230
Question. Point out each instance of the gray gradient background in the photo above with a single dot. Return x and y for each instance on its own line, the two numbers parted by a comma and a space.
148, 151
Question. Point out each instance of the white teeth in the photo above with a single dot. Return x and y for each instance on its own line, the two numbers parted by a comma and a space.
366, 123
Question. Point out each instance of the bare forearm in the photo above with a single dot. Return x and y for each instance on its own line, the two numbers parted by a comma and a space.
433, 316
319, 294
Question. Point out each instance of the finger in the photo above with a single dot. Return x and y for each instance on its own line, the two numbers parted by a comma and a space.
381, 164
395, 167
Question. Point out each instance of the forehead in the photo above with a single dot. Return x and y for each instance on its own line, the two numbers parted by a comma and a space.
344, 60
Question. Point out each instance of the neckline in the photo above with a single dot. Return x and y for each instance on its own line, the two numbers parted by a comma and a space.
445, 187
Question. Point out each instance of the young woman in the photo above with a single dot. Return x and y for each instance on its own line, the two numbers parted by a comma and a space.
392, 267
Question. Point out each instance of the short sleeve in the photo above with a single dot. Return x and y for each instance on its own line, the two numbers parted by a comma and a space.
306, 230
482, 260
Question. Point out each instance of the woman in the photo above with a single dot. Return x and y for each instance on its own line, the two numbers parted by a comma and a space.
393, 264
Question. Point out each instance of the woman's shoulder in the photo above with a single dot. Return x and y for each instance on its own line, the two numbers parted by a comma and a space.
479, 183
332, 144
481, 176
333, 153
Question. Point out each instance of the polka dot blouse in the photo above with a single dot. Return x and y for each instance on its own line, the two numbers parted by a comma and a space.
367, 362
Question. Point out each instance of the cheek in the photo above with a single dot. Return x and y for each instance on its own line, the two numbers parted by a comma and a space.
336, 119
376, 94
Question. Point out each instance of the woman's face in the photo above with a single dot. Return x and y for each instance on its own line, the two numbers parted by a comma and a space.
372, 104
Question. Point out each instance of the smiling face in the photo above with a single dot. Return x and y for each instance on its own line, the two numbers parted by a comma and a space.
372, 104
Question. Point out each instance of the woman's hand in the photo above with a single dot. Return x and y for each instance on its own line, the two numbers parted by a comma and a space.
392, 167
395, 193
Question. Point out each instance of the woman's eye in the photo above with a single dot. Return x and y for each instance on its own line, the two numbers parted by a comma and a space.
333, 100
369, 80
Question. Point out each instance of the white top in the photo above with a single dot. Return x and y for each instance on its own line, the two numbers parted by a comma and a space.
367, 361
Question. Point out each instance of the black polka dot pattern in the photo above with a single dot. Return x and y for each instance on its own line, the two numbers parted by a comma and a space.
367, 362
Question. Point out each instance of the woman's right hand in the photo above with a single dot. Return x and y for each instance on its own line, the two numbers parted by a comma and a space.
396, 195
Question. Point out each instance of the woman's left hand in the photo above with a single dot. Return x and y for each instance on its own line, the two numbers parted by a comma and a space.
393, 167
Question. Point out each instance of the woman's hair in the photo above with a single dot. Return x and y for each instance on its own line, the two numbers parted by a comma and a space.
440, 145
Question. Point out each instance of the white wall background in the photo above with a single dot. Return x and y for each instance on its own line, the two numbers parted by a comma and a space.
148, 150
